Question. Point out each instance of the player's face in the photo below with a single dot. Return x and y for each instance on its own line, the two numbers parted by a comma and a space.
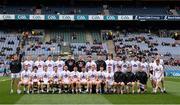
89, 58
45, 68
135, 58
101, 68
119, 68
29, 58
109, 69
99, 58
93, 67
38, 58
83, 69
35, 69
49, 58
59, 57
117, 58
109, 57
15, 57
143, 60
157, 62
80, 58
75, 68
26, 68
55, 69
129, 69
65, 68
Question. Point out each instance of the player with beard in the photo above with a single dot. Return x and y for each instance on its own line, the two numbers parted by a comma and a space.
80, 63
100, 62
70, 63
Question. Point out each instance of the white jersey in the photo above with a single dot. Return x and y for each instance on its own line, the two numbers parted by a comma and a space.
89, 64
110, 63
117, 63
25, 75
60, 65
75, 75
56, 76
65, 75
158, 71
92, 74
40, 65
101, 75
46, 76
151, 65
35, 75
83, 75
30, 64
135, 65
109, 76
124, 66
144, 66
50, 65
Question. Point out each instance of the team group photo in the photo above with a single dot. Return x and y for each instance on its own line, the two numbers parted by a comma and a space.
89, 52
118, 75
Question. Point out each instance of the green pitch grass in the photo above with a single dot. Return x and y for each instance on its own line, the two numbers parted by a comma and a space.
172, 97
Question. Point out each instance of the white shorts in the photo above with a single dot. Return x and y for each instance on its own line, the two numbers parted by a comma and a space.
110, 83
55, 80
83, 81
158, 79
35, 80
15, 75
151, 77
93, 81
24, 82
66, 81
45, 82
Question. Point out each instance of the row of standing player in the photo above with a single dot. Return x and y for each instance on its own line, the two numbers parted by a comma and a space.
81, 63
118, 81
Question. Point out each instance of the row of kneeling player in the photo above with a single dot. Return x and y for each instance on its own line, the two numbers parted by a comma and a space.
77, 82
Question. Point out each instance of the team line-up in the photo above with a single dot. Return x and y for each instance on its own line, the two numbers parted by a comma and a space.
111, 76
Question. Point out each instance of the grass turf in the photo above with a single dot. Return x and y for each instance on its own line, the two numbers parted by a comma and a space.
172, 97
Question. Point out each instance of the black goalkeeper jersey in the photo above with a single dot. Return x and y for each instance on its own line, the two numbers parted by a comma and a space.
119, 76
142, 77
130, 77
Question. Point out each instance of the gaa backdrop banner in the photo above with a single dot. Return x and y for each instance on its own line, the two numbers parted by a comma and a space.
88, 17
172, 72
